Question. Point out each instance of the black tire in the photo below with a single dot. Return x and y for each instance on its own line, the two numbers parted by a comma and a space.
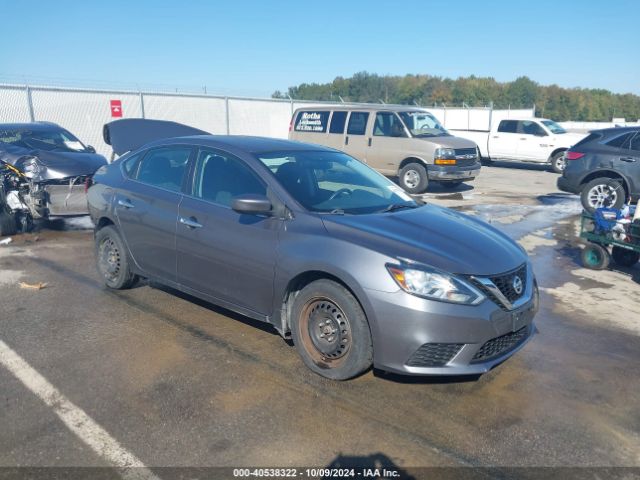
7, 224
112, 260
330, 331
602, 192
623, 257
486, 161
449, 185
558, 162
413, 178
595, 257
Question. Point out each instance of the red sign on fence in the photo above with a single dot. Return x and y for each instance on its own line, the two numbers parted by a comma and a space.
116, 108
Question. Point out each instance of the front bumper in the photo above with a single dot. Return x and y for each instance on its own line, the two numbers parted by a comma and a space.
471, 339
453, 172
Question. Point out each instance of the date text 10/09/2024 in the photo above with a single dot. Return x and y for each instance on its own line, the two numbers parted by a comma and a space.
316, 472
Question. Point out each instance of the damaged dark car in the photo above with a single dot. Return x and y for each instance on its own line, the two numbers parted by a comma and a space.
44, 172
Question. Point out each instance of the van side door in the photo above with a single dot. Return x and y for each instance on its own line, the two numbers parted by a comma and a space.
356, 141
387, 142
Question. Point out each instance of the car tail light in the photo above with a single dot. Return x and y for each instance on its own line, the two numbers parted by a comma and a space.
573, 155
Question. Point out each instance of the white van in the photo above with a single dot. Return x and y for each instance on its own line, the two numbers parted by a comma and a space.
407, 142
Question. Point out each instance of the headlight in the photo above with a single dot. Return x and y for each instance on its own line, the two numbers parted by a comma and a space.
445, 156
435, 285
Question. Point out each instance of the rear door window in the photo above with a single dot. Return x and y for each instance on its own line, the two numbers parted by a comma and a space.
311, 121
508, 126
621, 141
635, 143
357, 123
338, 120
164, 167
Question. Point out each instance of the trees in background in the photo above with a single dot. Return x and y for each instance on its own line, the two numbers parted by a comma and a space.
551, 101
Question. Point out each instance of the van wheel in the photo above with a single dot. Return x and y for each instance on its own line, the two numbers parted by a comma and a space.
602, 192
112, 260
7, 224
413, 178
558, 162
330, 331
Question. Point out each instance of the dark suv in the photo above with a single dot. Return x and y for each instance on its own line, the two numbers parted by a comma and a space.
604, 168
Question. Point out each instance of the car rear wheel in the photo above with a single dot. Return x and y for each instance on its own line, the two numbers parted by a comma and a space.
602, 192
413, 178
112, 260
330, 331
558, 162
623, 257
595, 257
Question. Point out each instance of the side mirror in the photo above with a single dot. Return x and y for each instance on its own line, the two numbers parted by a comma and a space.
90, 149
252, 204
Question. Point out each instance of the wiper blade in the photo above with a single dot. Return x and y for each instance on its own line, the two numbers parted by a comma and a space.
398, 206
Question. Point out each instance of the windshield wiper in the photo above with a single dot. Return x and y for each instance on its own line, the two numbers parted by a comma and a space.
397, 206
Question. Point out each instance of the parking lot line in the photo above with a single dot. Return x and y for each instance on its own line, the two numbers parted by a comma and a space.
96, 437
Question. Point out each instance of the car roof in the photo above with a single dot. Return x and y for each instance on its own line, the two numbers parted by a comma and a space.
351, 107
614, 130
37, 126
244, 143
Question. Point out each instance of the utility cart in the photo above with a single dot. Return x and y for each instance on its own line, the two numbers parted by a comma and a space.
606, 228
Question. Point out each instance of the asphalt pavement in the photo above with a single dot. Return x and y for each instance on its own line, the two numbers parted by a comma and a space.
166, 380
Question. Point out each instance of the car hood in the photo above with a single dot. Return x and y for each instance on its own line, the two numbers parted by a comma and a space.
52, 165
450, 142
436, 236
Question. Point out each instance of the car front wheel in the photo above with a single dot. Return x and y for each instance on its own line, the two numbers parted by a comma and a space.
413, 178
330, 331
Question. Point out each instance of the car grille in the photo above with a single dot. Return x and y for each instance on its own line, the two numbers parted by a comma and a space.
500, 345
504, 282
463, 153
434, 354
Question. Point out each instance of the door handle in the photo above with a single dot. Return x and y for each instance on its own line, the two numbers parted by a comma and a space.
496, 136
190, 222
523, 138
369, 141
627, 159
125, 203
346, 140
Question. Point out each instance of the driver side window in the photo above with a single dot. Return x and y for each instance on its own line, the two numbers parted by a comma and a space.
388, 124
528, 127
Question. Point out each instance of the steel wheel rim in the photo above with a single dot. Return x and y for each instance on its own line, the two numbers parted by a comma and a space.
411, 178
109, 259
602, 196
593, 257
561, 163
326, 332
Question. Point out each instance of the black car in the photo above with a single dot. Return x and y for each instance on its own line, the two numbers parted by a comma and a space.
604, 168
44, 170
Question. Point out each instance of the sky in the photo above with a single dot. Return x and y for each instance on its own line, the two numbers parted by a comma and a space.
256, 47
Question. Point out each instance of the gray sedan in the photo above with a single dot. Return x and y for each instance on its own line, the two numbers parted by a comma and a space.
319, 245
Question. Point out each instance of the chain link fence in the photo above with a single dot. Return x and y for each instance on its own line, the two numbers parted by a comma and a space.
84, 111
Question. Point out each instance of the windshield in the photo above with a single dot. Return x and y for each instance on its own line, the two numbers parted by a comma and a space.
58, 140
423, 124
333, 182
553, 126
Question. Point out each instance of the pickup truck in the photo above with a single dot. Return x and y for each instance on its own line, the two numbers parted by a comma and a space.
536, 140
